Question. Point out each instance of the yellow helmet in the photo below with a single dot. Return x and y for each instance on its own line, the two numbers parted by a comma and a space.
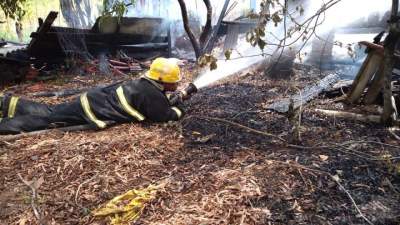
164, 70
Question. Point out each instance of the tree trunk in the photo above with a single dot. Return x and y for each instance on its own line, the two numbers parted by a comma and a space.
196, 46
207, 28
390, 44
18, 30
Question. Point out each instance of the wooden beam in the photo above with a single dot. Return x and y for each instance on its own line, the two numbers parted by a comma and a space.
367, 70
43, 29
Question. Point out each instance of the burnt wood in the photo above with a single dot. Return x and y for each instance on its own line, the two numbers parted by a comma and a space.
307, 94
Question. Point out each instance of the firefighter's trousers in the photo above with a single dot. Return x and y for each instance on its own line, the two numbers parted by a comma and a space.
31, 116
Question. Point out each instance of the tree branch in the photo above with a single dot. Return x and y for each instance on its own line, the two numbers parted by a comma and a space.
208, 26
185, 19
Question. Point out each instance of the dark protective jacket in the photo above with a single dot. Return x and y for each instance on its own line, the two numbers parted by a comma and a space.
136, 100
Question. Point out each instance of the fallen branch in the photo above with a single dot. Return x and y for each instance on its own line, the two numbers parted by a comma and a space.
351, 116
84, 127
241, 126
33, 187
67, 92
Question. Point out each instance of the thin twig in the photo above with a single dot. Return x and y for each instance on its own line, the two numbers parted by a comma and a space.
83, 127
35, 209
241, 126
352, 200
245, 112
80, 186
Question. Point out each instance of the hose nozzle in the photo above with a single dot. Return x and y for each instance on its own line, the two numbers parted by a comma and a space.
189, 90
184, 94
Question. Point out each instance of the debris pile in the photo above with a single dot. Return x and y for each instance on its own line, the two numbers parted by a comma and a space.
52, 47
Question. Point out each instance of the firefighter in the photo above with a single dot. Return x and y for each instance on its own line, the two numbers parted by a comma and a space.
143, 99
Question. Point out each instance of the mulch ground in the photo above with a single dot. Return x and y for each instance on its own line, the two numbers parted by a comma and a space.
214, 171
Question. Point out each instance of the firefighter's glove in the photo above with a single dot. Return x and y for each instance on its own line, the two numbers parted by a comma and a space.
176, 99
180, 111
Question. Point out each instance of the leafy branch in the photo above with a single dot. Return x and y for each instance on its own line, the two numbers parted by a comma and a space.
13, 8
116, 8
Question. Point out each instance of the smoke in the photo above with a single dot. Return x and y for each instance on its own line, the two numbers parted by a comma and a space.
367, 16
340, 15
348, 11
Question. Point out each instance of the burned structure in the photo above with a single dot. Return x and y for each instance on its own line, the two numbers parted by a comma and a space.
138, 38
132, 35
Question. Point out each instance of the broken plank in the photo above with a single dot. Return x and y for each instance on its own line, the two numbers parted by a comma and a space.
306, 95
43, 29
48, 22
116, 39
375, 87
367, 70
214, 35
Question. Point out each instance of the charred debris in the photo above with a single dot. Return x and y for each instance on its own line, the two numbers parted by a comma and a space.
112, 47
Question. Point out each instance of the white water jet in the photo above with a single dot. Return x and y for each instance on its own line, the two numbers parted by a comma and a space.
244, 57
225, 69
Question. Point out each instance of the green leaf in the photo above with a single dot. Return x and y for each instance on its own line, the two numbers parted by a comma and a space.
213, 65
261, 43
228, 54
276, 18
262, 32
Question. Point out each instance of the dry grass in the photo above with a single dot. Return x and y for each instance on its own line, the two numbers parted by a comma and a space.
216, 173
